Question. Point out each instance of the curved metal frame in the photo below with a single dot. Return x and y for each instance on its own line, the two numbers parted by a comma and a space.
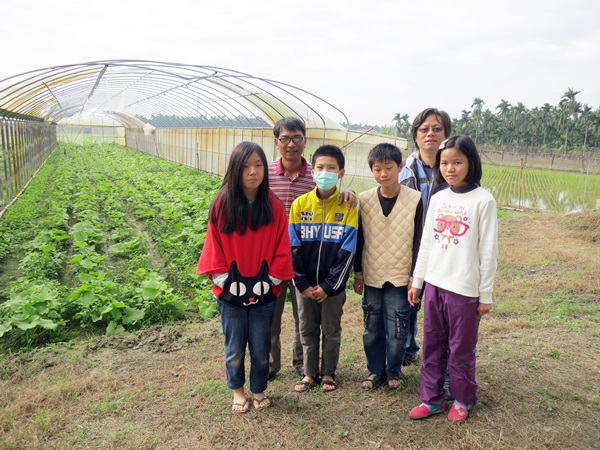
197, 95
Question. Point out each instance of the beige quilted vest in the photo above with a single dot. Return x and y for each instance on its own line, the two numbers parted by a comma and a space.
387, 253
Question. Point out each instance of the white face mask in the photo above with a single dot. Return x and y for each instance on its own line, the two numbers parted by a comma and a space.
326, 180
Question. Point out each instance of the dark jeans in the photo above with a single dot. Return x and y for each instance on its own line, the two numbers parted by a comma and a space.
412, 346
386, 316
251, 326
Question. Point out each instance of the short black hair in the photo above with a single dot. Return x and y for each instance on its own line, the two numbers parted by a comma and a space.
289, 123
442, 116
329, 150
384, 152
467, 147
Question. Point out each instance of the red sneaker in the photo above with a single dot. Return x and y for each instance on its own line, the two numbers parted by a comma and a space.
458, 414
422, 411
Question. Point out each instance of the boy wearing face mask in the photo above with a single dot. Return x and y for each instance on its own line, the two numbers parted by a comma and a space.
323, 238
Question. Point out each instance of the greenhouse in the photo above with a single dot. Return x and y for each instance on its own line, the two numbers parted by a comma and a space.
193, 115
109, 169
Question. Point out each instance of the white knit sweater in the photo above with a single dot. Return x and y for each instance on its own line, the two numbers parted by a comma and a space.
459, 246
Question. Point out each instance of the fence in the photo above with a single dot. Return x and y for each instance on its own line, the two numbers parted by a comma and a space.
208, 149
24, 146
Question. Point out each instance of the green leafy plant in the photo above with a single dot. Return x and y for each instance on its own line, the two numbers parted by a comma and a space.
32, 311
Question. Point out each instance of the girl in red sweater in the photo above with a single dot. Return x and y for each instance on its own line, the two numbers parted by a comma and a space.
246, 254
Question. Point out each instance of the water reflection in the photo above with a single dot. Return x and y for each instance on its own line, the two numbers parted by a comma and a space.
563, 201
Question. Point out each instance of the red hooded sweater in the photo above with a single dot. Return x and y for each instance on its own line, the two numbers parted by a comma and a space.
248, 252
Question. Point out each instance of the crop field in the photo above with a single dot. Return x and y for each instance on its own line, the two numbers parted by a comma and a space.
527, 188
553, 191
103, 238
107, 238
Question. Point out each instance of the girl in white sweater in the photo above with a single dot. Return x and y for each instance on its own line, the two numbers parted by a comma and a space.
457, 263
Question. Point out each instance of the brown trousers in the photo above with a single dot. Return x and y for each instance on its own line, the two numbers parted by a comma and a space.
275, 356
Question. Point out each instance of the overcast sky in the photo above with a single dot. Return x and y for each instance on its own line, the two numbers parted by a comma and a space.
371, 59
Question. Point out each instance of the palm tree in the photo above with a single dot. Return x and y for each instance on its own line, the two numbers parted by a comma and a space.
401, 124
570, 108
584, 119
462, 125
546, 114
489, 127
504, 108
477, 106
518, 119
595, 124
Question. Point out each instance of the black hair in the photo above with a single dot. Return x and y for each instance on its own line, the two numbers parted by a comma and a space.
442, 117
466, 146
234, 212
329, 150
289, 123
384, 152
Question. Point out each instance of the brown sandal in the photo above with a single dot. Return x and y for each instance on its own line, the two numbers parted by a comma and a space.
304, 385
258, 403
244, 410
331, 382
375, 380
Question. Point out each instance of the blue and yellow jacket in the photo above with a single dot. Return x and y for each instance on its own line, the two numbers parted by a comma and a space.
323, 237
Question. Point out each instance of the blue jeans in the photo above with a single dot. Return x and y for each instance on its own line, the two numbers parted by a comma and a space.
250, 326
386, 316
412, 347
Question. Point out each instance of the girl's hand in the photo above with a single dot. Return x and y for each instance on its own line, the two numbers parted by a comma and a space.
484, 308
413, 296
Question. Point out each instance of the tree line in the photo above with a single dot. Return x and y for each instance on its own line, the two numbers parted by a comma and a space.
569, 126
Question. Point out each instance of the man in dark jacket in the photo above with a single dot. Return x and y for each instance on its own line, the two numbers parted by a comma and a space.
429, 129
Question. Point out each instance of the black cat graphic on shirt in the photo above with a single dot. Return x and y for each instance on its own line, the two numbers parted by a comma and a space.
247, 291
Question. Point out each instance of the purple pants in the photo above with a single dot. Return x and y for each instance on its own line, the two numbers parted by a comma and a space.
451, 323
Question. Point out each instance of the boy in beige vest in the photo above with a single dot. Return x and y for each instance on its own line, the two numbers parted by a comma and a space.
388, 240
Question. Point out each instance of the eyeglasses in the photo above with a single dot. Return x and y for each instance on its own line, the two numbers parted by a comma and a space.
436, 130
286, 139
454, 227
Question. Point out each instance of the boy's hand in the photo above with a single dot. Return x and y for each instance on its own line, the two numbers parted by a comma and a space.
413, 296
350, 198
358, 285
319, 294
308, 293
484, 308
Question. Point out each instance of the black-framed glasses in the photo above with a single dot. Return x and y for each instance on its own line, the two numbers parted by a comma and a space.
436, 130
286, 139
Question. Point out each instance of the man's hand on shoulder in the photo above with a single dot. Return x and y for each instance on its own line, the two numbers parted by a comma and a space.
349, 197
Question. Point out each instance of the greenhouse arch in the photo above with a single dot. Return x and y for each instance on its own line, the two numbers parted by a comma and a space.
189, 114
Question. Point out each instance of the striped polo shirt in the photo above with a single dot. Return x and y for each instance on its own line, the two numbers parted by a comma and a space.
288, 189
